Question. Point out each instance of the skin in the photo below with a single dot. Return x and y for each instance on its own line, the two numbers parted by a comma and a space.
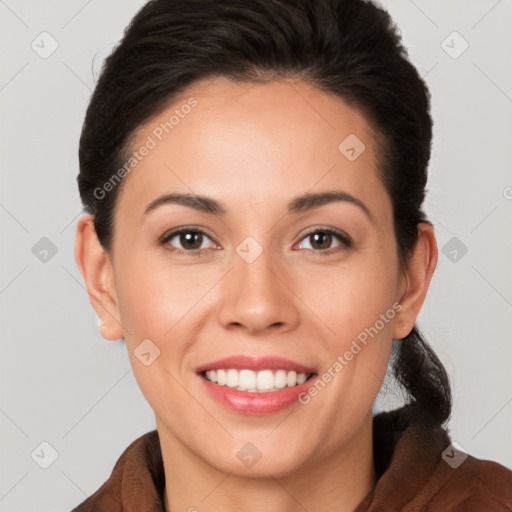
252, 148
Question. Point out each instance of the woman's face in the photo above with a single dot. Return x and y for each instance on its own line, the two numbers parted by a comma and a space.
286, 265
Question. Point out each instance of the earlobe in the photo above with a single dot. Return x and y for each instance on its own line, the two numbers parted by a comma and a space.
106, 332
94, 264
418, 272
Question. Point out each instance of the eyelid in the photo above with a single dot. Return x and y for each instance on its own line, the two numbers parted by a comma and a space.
187, 228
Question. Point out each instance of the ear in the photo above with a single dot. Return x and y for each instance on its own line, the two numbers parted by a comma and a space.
96, 268
419, 268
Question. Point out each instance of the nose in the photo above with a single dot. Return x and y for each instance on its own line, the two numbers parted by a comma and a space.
257, 298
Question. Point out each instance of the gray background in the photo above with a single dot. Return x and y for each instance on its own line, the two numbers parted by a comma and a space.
62, 384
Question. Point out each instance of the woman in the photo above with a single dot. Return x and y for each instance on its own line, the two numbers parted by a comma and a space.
253, 175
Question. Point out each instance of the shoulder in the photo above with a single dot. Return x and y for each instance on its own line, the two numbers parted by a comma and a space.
136, 482
463, 483
420, 469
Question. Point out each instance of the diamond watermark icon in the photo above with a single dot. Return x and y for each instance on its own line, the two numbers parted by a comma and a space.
351, 147
249, 249
44, 250
454, 455
44, 45
454, 45
146, 352
44, 455
454, 249
249, 455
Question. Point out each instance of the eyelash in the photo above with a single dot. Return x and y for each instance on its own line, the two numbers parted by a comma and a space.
344, 240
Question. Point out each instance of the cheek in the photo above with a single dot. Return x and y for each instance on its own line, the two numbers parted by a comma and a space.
352, 296
356, 303
155, 303
154, 297
163, 303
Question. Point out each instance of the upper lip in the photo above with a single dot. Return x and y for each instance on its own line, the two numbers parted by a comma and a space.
241, 362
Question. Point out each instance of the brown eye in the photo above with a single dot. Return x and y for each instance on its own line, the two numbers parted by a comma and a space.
192, 240
187, 240
322, 240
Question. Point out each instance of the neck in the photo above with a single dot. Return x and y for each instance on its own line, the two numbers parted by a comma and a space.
339, 481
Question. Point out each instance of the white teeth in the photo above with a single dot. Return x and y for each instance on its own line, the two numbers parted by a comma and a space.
221, 377
265, 380
232, 378
280, 379
246, 380
291, 379
256, 382
211, 375
301, 378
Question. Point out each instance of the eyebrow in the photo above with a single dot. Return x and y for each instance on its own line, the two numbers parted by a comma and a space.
301, 203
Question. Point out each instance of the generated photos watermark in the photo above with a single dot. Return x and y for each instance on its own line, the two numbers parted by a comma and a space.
343, 360
151, 142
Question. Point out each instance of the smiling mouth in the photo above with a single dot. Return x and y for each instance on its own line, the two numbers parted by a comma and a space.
250, 381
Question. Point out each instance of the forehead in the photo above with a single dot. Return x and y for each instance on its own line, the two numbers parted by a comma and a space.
252, 144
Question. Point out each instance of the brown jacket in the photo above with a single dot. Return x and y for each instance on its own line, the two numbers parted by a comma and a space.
418, 471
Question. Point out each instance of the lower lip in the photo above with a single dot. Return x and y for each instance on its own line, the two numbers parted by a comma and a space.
256, 403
